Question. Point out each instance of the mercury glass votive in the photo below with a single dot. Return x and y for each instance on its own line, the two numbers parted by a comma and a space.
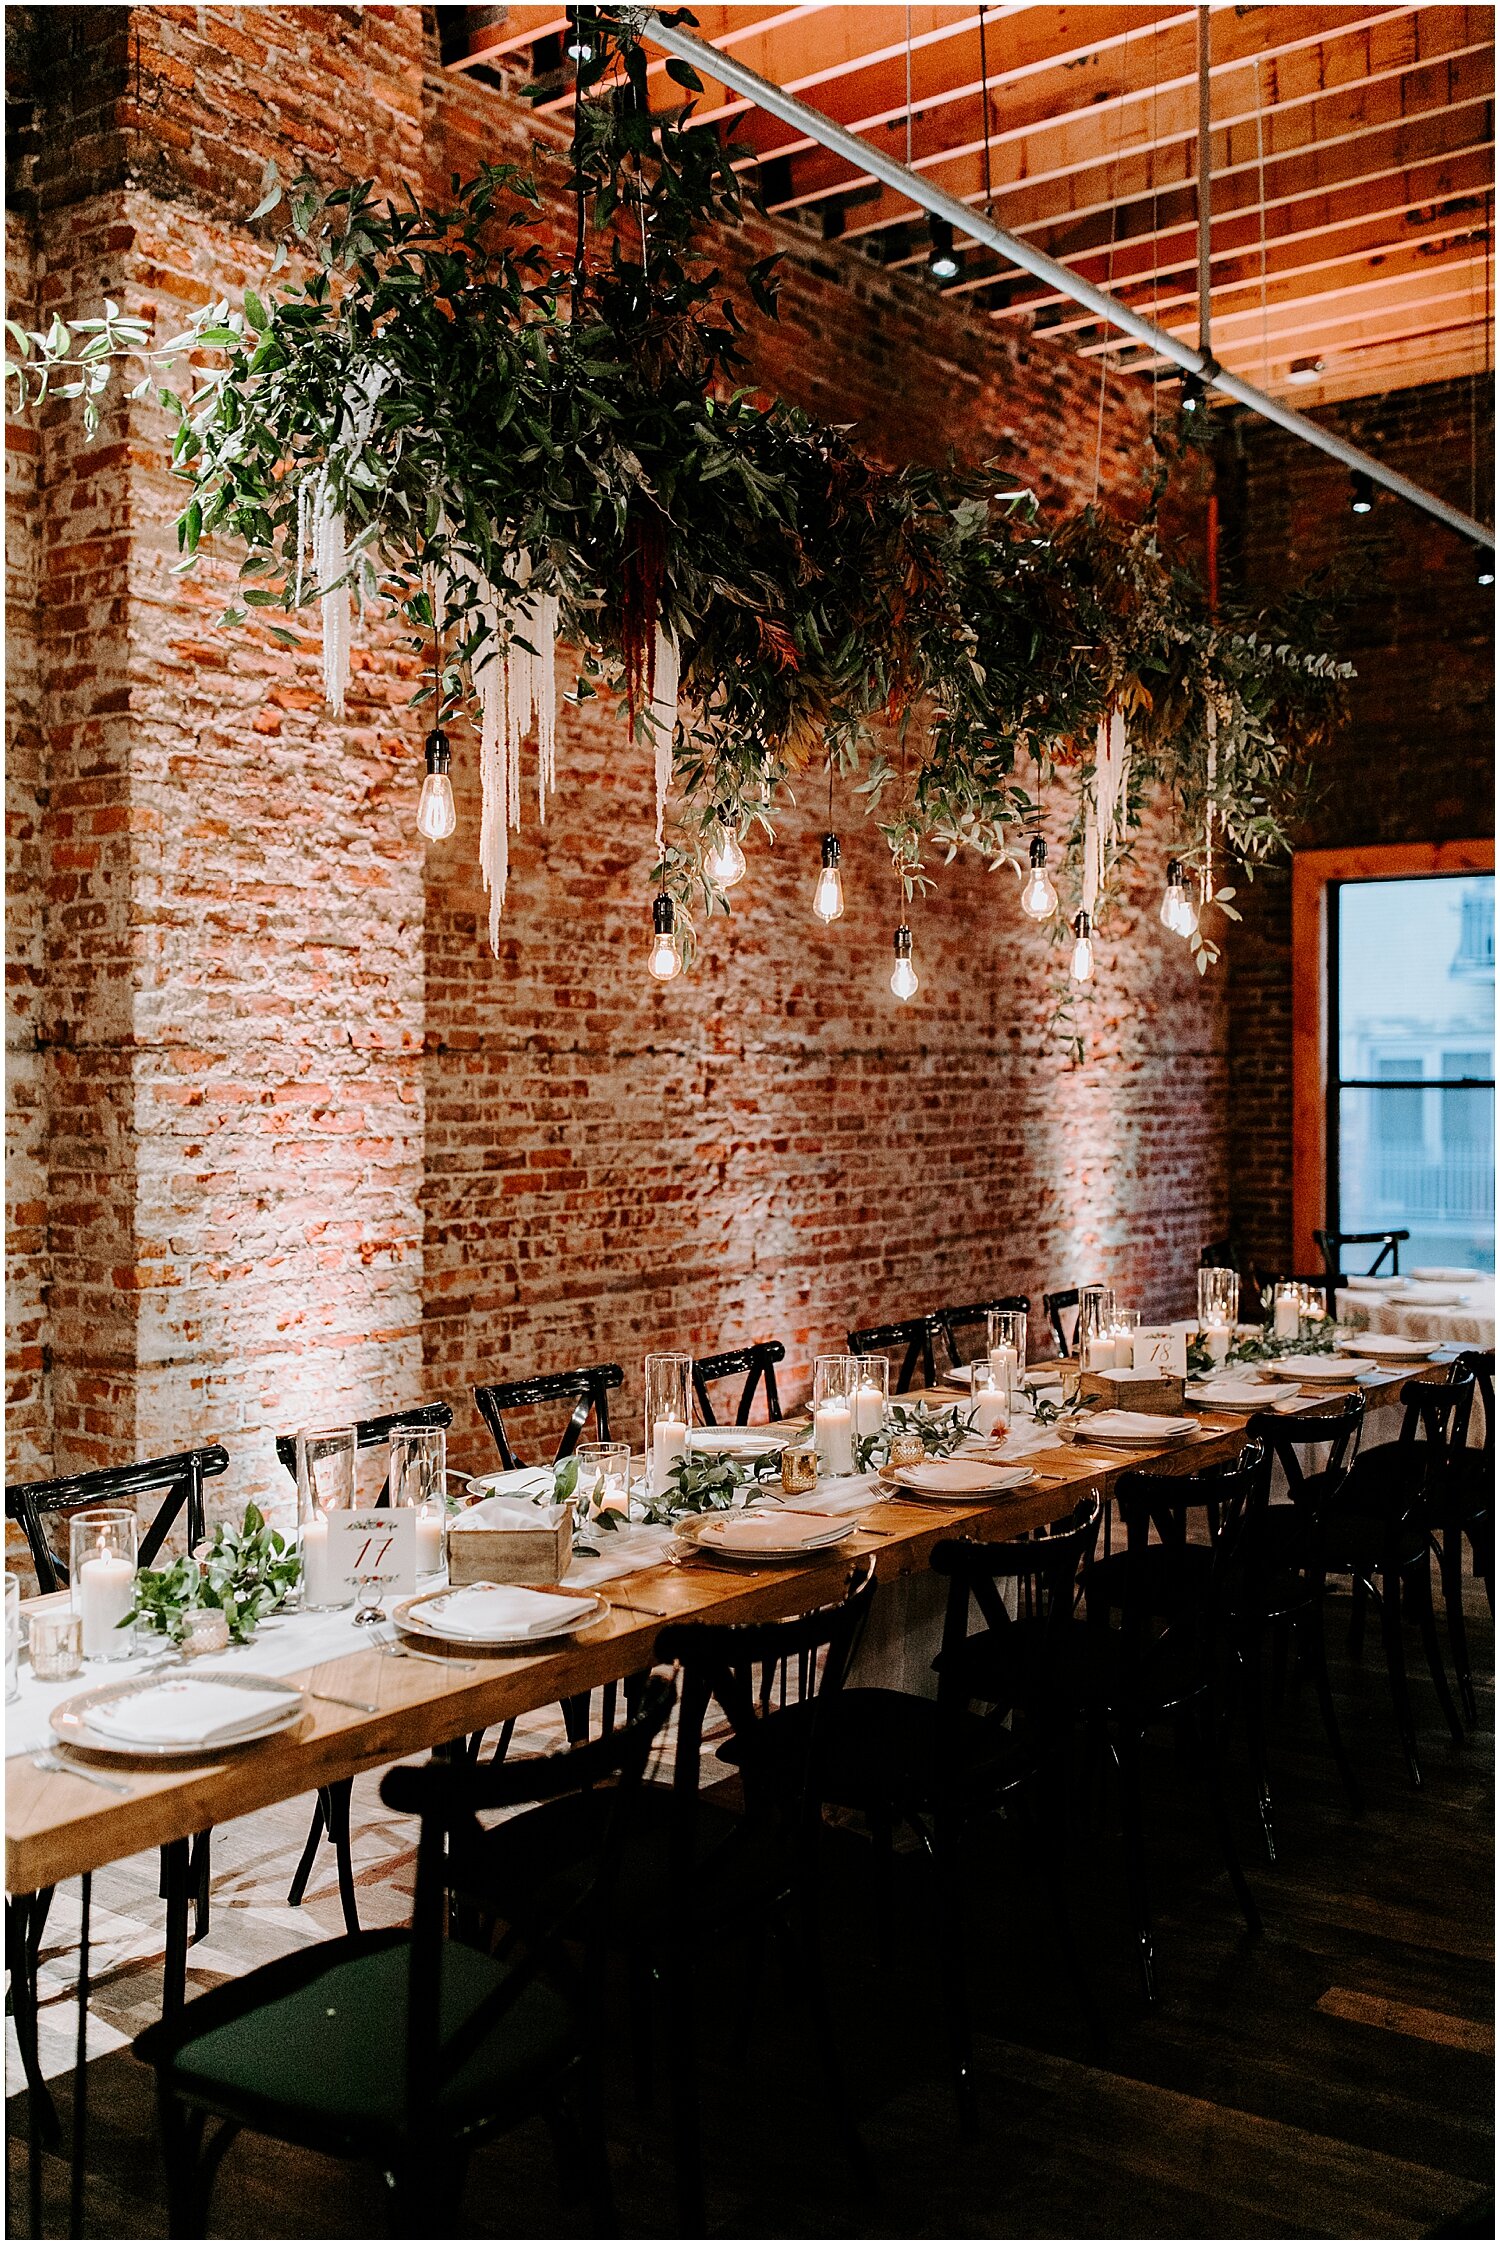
207, 1631
56, 1641
799, 1468
907, 1449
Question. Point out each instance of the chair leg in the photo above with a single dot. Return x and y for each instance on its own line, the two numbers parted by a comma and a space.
1482, 1541
1417, 1588
1451, 1575
188, 2188
1359, 1591
199, 1881
1213, 1778
1315, 1654
1135, 1856
1395, 1662
339, 1797
25, 1916
948, 1863
1255, 1728
801, 1928
686, 2137
176, 1859
309, 1856
1042, 1826
575, 1713
593, 2155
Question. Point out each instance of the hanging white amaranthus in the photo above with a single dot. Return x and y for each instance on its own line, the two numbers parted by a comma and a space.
514, 684
666, 671
319, 514
1104, 809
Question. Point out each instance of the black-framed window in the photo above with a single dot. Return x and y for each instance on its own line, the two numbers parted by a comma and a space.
1411, 1111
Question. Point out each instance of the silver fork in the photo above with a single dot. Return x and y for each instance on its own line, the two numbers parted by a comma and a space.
55, 1762
409, 1652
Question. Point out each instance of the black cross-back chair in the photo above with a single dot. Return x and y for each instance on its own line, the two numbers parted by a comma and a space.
1379, 1534
695, 1872
758, 1363
1284, 1586
957, 1315
1331, 1247
184, 1863
407, 2047
588, 1389
1464, 1505
912, 1337
331, 1808
1057, 1304
1168, 1659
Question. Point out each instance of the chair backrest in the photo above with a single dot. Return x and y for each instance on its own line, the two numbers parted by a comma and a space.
1029, 1650
1166, 1591
1331, 1247
737, 1665
180, 1478
370, 1433
1481, 1362
758, 1363
1057, 1305
1340, 1427
958, 1316
449, 1796
1439, 1414
912, 1338
588, 1389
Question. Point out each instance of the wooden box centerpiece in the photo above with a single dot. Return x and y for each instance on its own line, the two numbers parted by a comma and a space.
502, 1545
1146, 1390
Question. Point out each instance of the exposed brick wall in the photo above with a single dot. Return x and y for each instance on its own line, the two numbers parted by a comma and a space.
311, 1149
1415, 762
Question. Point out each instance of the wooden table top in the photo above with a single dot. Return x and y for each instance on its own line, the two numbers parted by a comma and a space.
57, 1826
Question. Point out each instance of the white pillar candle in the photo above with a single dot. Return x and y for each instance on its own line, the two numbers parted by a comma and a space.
429, 1542
869, 1408
315, 1563
1288, 1322
1124, 1352
1099, 1355
106, 1595
1217, 1337
991, 1410
668, 1444
833, 1432
1003, 1359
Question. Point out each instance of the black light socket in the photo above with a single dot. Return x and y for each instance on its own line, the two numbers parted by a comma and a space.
439, 755
663, 916
831, 851
1038, 849
902, 942
1081, 925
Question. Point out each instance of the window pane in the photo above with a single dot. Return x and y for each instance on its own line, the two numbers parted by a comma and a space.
1415, 995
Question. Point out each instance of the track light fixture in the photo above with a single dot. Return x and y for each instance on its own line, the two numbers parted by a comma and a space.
942, 258
1361, 492
1484, 566
1193, 394
1305, 371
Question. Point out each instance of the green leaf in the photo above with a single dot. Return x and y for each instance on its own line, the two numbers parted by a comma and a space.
255, 311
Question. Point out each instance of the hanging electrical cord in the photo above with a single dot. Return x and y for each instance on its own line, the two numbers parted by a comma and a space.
984, 96
1260, 192
1109, 289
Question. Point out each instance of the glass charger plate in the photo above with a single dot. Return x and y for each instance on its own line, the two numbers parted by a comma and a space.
419, 1626
70, 1721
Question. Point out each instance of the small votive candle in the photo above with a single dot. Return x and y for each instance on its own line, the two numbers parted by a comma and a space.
207, 1631
907, 1449
56, 1642
799, 1468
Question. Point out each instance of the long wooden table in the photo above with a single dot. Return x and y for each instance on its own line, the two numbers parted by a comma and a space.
58, 1826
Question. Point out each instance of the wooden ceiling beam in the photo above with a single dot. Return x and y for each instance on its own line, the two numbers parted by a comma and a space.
1322, 326
1397, 81
1406, 365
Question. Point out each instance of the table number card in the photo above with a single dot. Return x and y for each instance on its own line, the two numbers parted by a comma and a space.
372, 1552
1161, 1348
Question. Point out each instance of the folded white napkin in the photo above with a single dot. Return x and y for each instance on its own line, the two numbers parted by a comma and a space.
494, 1610
1242, 1395
516, 1482
768, 1531
185, 1712
957, 1477
507, 1509
1106, 1423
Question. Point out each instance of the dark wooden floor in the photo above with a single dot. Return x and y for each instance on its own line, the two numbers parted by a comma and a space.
1334, 2078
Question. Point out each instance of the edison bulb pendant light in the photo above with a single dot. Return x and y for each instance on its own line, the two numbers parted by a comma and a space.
828, 896
665, 960
904, 983
436, 816
1038, 896
725, 862
1174, 898
1082, 967
1187, 914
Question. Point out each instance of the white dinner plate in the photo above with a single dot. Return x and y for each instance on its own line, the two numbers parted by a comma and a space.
407, 1616
1374, 1285
737, 1442
70, 1721
1394, 1345
1415, 1297
1232, 1394
1325, 1369
1457, 1274
956, 1480
1133, 1430
729, 1535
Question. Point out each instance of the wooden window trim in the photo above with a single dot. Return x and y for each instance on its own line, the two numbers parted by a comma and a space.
1313, 873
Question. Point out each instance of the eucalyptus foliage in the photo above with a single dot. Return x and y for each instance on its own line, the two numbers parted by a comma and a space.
478, 404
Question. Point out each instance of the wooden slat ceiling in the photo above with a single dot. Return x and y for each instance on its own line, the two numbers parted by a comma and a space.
1351, 162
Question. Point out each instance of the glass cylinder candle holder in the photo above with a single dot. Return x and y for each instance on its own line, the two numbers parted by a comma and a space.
419, 1480
992, 1392
835, 1380
1007, 1340
54, 1637
1096, 1320
101, 1573
1286, 1312
669, 1414
1218, 1298
12, 1636
325, 1487
1126, 1326
604, 1476
871, 1394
